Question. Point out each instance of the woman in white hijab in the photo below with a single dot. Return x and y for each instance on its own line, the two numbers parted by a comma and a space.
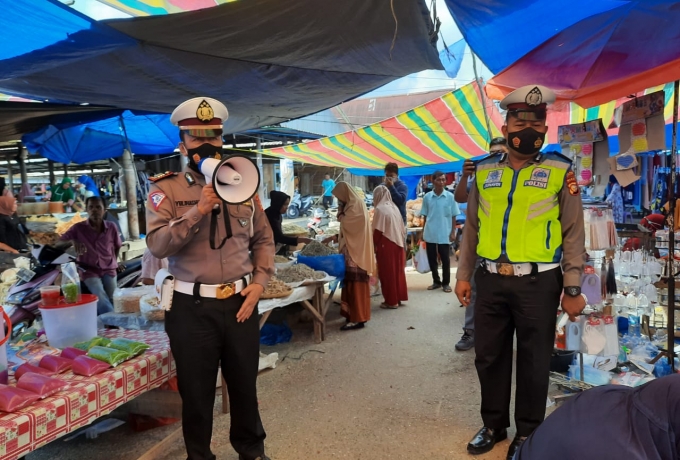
389, 234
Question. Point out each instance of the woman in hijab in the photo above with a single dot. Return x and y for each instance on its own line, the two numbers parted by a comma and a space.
277, 207
63, 192
612, 421
12, 232
26, 190
357, 246
616, 199
389, 234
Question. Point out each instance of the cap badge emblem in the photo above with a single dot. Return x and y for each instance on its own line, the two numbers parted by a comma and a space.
534, 97
204, 112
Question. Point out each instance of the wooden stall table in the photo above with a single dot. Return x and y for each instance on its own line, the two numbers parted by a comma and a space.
88, 398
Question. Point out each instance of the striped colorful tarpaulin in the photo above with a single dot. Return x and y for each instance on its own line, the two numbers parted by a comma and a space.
448, 129
153, 7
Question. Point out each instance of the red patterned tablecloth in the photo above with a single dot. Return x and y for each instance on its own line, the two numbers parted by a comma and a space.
88, 398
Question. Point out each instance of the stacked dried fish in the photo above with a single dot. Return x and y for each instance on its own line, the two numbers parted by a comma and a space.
316, 249
298, 273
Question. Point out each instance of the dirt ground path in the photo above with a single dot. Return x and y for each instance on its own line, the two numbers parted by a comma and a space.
396, 389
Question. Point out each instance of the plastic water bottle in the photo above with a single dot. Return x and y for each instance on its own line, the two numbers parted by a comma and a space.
633, 323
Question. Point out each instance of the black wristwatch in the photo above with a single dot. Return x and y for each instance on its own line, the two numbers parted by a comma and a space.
572, 291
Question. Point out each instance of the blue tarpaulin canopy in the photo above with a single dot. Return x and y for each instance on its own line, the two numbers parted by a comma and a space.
268, 61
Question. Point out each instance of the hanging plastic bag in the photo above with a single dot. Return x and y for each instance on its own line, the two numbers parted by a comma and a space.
420, 258
70, 282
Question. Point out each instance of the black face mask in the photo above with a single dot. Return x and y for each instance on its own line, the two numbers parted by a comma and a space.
527, 141
203, 151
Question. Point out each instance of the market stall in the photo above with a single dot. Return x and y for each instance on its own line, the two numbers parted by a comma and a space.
87, 398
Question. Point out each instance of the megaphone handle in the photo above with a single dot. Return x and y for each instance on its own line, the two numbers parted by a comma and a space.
213, 227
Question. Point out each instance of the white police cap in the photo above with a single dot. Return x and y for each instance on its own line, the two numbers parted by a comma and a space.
529, 96
201, 116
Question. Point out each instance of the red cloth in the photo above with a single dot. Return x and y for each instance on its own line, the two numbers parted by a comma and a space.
391, 266
102, 248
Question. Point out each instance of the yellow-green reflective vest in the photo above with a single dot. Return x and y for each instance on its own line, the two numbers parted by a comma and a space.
519, 210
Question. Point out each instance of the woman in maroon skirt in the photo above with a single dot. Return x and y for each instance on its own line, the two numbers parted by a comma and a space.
389, 234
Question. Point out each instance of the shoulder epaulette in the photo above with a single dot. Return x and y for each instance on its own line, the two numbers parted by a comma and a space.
162, 176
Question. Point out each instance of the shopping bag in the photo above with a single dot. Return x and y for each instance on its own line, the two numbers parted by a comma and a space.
420, 259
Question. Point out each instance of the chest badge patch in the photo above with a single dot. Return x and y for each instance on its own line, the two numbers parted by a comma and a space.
156, 198
243, 222
494, 179
539, 178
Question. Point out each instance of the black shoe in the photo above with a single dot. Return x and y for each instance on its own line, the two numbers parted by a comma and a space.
261, 457
466, 342
434, 286
514, 446
352, 326
485, 439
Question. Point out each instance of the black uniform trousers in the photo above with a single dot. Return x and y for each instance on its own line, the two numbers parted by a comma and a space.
204, 333
528, 305
434, 249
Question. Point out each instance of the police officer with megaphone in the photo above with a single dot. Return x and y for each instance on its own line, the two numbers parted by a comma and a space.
210, 225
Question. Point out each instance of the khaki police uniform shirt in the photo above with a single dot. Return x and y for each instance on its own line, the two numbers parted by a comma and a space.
573, 233
177, 230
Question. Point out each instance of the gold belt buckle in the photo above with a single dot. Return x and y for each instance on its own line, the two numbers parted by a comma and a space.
505, 269
224, 291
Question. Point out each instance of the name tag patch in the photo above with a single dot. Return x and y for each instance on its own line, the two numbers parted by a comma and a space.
494, 179
539, 178
182, 204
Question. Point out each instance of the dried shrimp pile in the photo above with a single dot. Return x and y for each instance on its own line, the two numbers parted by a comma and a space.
298, 273
315, 249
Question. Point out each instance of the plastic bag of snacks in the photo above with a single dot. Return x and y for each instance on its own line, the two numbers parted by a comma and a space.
70, 282
95, 342
109, 355
12, 398
130, 346
21, 370
72, 353
151, 309
127, 300
56, 364
41, 385
82, 365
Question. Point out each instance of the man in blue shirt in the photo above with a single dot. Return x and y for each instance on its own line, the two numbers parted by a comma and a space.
440, 211
327, 185
397, 188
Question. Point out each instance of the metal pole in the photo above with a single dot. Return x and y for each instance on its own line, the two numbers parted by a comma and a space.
481, 92
10, 176
671, 233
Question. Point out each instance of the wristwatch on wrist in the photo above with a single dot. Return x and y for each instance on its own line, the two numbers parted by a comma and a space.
572, 291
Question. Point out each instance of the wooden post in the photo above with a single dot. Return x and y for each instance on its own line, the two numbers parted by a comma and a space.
131, 194
260, 190
21, 159
65, 170
50, 169
10, 176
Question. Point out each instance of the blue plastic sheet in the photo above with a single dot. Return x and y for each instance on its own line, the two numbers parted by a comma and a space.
271, 334
333, 265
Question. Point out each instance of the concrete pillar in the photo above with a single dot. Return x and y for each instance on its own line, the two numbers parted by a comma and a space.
131, 194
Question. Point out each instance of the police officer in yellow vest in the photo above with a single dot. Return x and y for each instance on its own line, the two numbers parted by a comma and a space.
525, 221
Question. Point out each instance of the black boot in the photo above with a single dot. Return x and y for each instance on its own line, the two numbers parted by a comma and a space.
485, 439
